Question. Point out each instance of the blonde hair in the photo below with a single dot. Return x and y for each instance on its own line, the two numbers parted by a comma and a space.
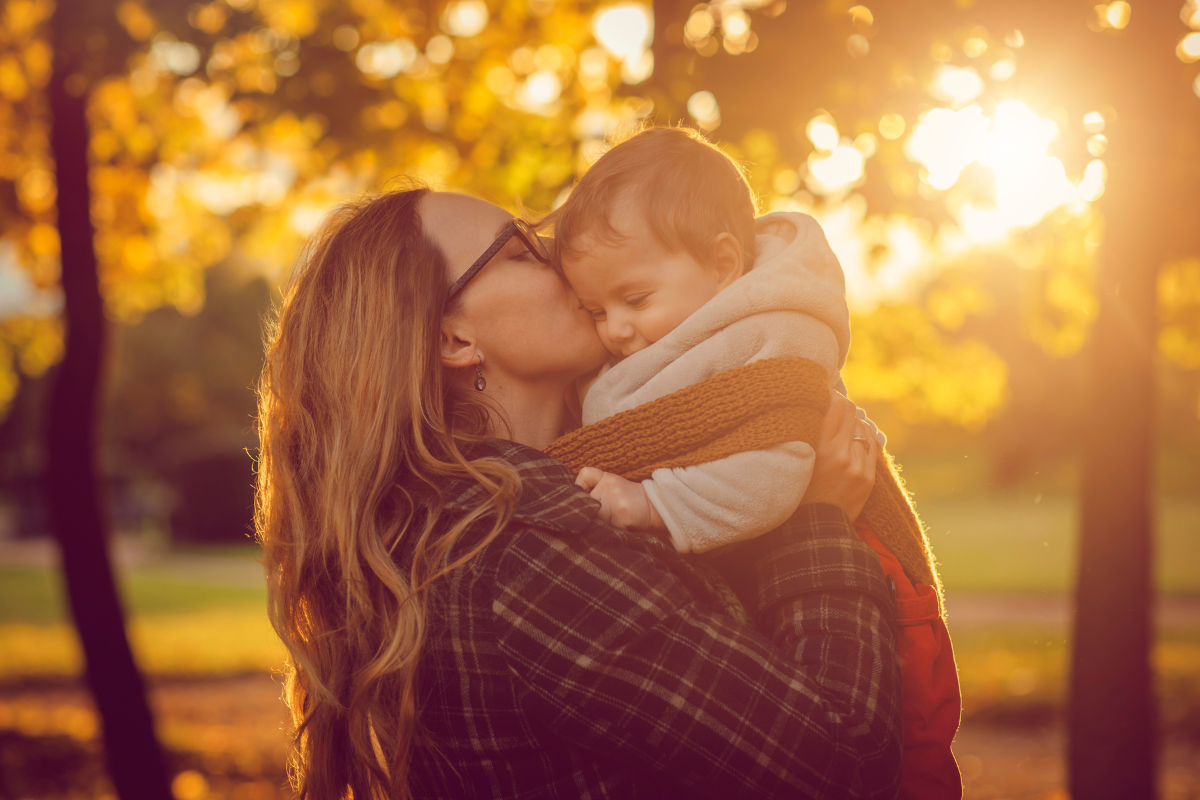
687, 189
359, 427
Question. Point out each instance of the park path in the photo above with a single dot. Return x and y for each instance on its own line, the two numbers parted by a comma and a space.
982, 609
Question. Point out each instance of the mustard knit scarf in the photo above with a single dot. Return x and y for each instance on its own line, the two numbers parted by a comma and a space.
752, 407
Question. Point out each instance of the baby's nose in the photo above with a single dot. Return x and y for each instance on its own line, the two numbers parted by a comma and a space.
619, 331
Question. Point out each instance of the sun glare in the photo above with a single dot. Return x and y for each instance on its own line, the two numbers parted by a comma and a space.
1014, 143
944, 142
625, 30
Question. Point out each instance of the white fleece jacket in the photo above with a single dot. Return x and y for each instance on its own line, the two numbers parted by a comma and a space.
791, 303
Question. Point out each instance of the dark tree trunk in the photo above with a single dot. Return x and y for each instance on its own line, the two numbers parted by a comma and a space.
1113, 731
135, 761
1112, 718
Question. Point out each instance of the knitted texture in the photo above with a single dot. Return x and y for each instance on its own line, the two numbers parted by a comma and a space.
752, 407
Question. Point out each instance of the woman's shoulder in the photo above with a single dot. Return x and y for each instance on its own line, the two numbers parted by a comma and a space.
551, 512
548, 499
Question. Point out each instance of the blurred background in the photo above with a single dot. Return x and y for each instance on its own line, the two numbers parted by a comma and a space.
954, 151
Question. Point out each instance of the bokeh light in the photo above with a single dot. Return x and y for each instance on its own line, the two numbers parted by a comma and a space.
822, 131
1114, 15
1189, 48
625, 30
345, 37
944, 142
699, 26
703, 108
858, 45
836, 171
465, 17
386, 59
182, 58
439, 49
891, 126
1002, 69
952, 84
539, 92
1190, 14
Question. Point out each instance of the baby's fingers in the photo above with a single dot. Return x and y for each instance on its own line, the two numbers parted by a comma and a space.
588, 478
605, 514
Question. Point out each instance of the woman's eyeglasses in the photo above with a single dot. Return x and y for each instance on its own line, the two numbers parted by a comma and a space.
519, 228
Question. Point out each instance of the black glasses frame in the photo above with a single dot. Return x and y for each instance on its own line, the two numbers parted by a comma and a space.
519, 228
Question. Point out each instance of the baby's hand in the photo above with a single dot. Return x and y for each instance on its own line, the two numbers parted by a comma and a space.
623, 503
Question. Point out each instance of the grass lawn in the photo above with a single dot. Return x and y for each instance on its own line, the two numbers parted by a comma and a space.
191, 615
1028, 544
201, 612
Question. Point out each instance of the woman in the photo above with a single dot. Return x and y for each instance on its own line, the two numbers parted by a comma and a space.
460, 623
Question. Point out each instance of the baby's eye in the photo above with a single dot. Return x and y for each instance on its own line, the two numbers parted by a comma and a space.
638, 301
598, 315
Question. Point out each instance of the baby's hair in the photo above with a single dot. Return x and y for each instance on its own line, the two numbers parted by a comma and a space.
689, 191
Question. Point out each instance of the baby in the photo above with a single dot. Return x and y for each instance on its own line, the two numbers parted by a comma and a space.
659, 241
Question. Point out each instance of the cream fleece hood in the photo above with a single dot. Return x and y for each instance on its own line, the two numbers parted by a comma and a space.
791, 303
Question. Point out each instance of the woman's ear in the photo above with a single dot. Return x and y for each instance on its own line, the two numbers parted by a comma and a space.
458, 345
727, 259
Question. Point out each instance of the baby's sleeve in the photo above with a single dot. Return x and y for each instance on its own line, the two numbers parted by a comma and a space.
738, 497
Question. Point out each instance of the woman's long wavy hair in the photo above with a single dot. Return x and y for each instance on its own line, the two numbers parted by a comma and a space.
359, 425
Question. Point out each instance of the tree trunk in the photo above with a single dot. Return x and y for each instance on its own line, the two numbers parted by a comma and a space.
1112, 718
135, 761
1112, 715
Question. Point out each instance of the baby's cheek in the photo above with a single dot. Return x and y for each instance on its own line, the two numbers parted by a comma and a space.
660, 322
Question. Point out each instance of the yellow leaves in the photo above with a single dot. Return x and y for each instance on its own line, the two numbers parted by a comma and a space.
136, 20
113, 105
29, 343
1179, 312
39, 61
949, 305
1060, 300
36, 190
388, 115
37, 342
13, 86
296, 18
209, 18
21, 17
899, 357
43, 240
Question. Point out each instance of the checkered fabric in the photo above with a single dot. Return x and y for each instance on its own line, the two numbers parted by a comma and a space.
574, 660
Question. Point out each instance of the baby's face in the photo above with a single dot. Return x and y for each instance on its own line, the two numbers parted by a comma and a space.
637, 290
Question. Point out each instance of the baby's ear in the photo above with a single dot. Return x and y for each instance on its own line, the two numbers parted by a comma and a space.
727, 258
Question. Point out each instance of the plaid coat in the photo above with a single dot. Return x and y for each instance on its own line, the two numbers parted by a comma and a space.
574, 660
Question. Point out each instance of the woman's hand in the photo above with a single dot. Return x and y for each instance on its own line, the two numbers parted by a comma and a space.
845, 471
622, 503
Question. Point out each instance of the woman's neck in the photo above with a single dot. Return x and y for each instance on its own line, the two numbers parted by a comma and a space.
532, 414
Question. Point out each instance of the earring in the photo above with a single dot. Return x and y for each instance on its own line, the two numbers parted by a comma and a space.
480, 382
